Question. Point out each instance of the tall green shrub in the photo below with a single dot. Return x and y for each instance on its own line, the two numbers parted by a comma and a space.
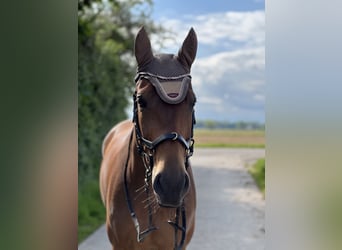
106, 68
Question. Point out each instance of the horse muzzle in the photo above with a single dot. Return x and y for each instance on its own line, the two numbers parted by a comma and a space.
170, 191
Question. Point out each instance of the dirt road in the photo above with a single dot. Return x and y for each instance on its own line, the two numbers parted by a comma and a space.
230, 210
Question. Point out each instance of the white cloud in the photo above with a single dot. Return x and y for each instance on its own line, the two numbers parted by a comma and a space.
236, 78
219, 29
211, 100
218, 65
228, 74
232, 26
259, 97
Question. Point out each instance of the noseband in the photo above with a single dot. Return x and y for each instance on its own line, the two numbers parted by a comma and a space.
147, 148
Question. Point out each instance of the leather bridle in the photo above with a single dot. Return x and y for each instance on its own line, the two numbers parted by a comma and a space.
146, 150
143, 143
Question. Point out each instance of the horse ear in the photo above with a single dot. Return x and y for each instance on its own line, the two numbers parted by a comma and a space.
187, 52
142, 48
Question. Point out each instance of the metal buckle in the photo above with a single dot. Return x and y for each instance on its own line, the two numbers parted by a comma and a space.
176, 136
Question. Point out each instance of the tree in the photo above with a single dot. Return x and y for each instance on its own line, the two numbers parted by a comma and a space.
106, 67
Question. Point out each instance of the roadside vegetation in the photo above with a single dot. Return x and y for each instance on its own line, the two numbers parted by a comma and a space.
258, 173
106, 32
91, 211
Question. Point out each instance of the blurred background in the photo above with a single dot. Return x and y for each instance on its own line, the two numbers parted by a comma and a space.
42, 44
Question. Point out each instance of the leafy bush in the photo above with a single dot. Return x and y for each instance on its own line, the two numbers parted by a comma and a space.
258, 173
91, 212
106, 68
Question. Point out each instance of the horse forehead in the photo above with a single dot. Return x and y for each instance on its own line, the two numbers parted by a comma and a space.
166, 65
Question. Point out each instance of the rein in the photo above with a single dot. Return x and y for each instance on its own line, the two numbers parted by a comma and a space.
146, 150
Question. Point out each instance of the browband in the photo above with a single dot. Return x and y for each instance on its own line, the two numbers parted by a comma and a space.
171, 89
139, 74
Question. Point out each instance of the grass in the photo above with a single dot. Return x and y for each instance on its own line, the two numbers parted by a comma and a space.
229, 138
91, 211
258, 173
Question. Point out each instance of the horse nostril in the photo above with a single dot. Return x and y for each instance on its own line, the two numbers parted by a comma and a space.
170, 191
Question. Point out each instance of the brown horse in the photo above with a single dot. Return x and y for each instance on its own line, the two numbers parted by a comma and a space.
146, 180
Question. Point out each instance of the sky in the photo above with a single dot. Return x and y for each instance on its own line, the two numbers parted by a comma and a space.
228, 73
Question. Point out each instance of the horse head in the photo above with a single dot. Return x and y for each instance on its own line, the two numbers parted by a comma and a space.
164, 116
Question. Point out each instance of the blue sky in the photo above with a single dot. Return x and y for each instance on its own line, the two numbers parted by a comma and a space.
228, 74
164, 8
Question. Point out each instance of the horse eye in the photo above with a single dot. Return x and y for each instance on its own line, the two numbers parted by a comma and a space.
141, 101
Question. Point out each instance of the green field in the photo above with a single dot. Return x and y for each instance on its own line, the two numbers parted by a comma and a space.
229, 138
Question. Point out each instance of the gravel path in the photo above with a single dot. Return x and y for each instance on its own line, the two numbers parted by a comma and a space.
230, 209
